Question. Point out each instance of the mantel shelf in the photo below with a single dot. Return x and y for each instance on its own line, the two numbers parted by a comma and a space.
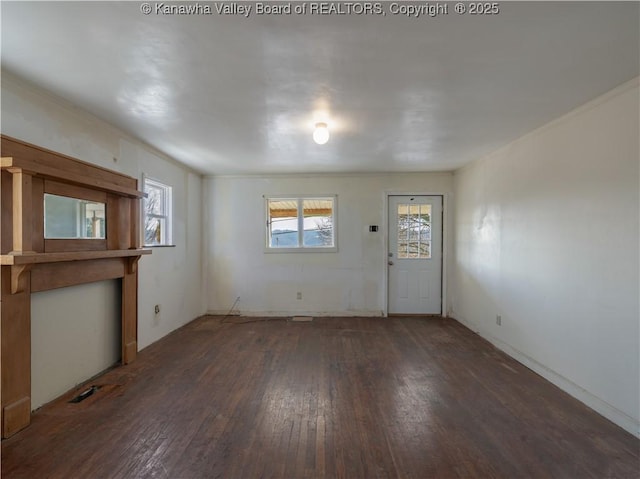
14, 259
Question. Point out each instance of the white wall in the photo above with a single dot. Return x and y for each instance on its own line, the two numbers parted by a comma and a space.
547, 236
171, 277
68, 348
349, 282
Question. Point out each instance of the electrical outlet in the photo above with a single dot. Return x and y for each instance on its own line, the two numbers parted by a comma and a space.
499, 320
156, 308
299, 295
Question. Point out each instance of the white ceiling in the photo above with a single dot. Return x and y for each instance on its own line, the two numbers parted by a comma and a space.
232, 95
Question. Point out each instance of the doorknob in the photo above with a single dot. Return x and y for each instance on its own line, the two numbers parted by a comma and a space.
390, 263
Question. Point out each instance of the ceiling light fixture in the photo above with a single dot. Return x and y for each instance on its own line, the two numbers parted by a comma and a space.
321, 133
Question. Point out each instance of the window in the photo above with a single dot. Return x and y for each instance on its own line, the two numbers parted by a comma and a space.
301, 223
157, 213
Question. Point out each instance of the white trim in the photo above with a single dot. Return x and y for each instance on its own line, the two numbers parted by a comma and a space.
445, 236
302, 249
284, 314
445, 252
602, 407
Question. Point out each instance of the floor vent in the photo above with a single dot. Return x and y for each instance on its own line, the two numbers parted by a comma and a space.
302, 319
85, 394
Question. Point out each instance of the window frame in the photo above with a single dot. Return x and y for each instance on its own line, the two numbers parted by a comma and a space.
300, 217
167, 208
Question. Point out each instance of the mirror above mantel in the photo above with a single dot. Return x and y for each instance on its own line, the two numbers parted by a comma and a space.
73, 218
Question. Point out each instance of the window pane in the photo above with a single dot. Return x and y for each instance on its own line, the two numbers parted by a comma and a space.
154, 203
318, 222
154, 230
283, 223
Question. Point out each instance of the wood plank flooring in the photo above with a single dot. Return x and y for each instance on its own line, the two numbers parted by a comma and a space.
332, 398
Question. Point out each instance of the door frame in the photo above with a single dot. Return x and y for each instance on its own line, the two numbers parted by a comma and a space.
445, 242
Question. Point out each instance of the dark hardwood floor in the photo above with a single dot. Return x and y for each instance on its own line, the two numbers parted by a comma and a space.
333, 398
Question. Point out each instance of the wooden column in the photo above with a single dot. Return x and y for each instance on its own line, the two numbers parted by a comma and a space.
135, 223
22, 211
130, 310
15, 324
15, 312
130, 288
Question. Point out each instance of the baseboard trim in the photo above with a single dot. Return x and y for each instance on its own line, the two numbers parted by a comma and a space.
281, 314
16, 416
600, 406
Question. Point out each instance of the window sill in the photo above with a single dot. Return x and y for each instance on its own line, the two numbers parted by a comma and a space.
301, 250
159, 246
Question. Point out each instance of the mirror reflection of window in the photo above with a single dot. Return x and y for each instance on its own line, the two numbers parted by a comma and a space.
71, 218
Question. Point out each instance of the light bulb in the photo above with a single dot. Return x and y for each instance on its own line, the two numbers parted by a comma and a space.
321, 133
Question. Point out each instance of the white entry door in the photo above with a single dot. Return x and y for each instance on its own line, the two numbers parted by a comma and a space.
415, 255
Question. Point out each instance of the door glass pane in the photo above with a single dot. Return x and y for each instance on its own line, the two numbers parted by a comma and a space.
283, 223
403, 231
414, 231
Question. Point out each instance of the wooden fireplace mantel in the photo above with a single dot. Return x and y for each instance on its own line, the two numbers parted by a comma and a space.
30, 263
